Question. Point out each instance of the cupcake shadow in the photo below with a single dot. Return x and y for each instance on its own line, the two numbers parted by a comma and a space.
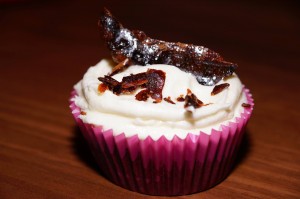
243, 151
82, 150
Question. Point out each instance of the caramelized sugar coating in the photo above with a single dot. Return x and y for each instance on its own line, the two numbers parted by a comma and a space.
135, 47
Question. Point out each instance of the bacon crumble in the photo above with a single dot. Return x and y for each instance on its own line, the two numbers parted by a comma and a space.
111, 83
134, 80
180, 98
102, 88
246, 105
168, 99
153, 80
125, 63
143, 95
219, 88
192, 100
156, 82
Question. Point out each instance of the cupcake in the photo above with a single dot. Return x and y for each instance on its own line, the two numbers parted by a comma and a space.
162, 118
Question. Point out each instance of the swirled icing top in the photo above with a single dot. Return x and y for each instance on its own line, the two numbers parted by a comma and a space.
123, 113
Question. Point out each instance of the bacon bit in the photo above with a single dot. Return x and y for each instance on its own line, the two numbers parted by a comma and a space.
156, 82
134, 80
153, 80
168, 99
112, 84
219, 88
156, 101
246, 105
109, 81
82, 113
143, 95
102, 88
120, 66
180, 98
192, 100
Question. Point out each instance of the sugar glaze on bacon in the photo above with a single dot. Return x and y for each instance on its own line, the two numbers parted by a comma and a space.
135, 47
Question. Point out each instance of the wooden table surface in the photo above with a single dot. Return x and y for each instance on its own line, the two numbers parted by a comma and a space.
46, 47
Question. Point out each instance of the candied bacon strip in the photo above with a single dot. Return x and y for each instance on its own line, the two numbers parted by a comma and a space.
219, 88
191, 100
137, 48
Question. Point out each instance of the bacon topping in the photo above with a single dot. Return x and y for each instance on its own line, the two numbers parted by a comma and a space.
135, 47
120, 66
143, 95
111, 83
168, 99
155, 84
153, 80
246, 105
180, 98
219, 88
192, 100
134, 80
102, 88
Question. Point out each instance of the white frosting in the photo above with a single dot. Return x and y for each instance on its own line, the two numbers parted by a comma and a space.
124, 113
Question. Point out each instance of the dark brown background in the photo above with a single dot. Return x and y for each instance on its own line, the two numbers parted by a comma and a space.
46, 47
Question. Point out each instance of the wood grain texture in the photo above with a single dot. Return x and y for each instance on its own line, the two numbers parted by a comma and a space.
46, 46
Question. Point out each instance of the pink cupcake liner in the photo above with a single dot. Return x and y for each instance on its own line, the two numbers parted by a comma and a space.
166, 167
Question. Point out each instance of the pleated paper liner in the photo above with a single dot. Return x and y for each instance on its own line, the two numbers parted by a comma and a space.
166, 167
